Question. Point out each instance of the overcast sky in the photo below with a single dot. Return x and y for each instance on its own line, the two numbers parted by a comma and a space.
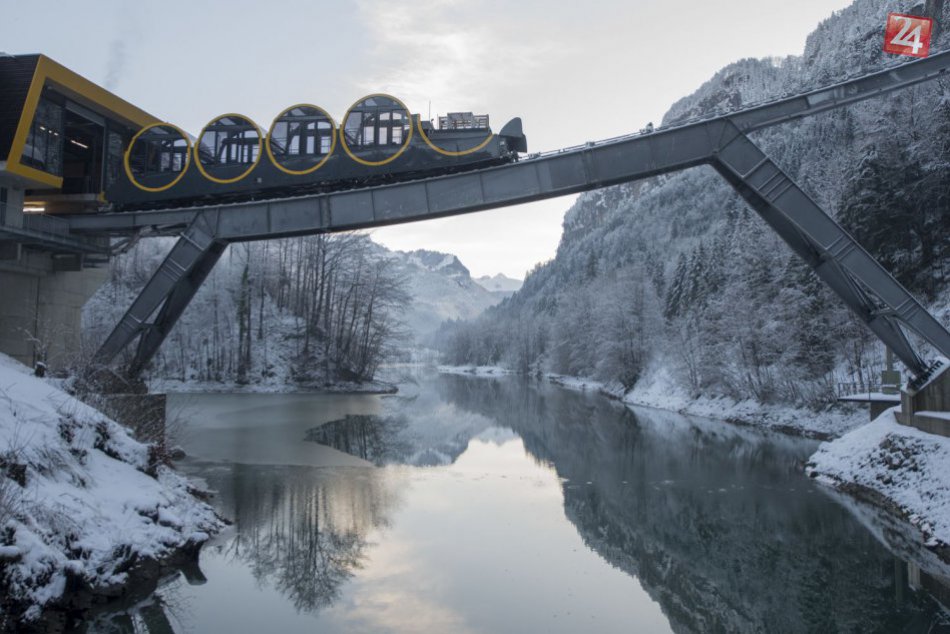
574, 71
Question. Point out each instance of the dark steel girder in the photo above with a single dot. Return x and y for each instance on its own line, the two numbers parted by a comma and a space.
862, 283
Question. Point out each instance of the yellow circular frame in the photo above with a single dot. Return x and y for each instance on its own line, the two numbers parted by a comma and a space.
309, 170
405, 144
128, 152
435, 147
225, 181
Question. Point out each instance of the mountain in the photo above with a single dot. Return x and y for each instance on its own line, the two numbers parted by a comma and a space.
500, 284
676, 277
440, 288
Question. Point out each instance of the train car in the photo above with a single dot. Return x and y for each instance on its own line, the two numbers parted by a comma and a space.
304, 152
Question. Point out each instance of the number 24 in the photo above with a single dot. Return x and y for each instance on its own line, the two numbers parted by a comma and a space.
912, 39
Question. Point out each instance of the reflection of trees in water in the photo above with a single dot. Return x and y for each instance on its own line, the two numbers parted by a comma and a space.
713, 520
302, 529
377, 439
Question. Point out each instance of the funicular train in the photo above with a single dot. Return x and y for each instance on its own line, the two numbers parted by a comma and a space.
304, 151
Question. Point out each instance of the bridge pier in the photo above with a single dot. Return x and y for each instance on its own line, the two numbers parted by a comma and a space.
46, 276
927, 406
41, 311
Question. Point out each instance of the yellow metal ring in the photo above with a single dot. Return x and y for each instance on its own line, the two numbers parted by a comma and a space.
435, 147
225, 181
333, 136
405, 144
128, 151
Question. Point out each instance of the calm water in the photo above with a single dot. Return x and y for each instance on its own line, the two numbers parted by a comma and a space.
482, 505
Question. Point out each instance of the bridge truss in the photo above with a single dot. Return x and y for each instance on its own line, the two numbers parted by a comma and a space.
885, 306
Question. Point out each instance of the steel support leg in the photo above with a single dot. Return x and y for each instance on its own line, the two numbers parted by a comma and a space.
154, 334
864, 285
170, 288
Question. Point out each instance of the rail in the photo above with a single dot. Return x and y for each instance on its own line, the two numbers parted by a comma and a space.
49, 225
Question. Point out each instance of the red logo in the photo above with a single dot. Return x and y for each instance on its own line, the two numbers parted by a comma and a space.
907, 35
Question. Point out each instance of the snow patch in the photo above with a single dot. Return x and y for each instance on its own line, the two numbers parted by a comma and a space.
905, 466
79, 496
660, 389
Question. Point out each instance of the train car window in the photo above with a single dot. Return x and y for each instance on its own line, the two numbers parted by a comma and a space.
376, 130
157, 157
376, 121
301, 139
229, 140
228, 148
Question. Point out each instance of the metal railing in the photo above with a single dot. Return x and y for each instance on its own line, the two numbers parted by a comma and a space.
49, 225
858, 388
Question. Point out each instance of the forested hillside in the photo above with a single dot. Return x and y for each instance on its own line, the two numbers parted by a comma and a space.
312, 311
303, 310
676, 277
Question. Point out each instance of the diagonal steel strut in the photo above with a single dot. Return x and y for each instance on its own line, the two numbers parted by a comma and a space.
878, 299
170, 289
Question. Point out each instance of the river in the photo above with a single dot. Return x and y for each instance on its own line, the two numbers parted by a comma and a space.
501, 505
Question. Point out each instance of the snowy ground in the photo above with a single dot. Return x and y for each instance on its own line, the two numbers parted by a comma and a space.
900, 468
659, 391
80, 500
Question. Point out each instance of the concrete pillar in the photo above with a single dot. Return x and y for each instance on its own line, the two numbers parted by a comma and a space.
59, 305
18, 292
41, 309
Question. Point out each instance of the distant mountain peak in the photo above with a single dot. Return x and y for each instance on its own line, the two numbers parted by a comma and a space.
443, 263
499, 283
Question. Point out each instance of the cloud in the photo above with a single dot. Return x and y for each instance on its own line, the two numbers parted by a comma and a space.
447, 51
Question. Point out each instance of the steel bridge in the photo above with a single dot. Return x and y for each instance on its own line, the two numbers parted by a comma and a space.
885, 306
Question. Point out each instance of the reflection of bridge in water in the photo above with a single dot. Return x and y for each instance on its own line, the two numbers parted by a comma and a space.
721, 142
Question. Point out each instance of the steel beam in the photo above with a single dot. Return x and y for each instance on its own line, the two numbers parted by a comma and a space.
195, 248
154, 334
862, 283
860, 280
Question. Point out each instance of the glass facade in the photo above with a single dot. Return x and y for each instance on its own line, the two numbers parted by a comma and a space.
115, 149
44, 144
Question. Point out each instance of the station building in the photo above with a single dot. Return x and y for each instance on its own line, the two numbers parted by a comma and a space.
61, 145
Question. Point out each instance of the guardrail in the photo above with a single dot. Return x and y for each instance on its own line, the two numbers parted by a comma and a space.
855, 389
50, 225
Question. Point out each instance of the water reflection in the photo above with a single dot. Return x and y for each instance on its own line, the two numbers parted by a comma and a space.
716, 523
304, 531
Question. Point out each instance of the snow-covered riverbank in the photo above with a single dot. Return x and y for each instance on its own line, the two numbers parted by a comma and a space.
83, 506
900, 468
659, 392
